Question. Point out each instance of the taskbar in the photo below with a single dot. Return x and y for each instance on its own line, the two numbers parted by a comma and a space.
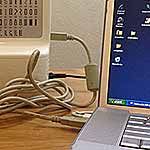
131, 103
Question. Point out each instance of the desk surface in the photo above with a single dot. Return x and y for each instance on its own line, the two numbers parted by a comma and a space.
17, 133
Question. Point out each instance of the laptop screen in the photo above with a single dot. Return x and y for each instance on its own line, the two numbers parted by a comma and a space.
129, 73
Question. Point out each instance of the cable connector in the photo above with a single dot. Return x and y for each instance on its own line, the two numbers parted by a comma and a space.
73, 121
91, 70
60, 36
56, 36
64, 120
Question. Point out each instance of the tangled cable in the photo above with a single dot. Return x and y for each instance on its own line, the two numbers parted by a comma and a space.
26, 92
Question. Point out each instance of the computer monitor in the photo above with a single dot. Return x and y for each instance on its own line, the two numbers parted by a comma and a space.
125, 73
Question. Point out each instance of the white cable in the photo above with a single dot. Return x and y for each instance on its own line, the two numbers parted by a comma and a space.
91, 69
22, 92
72, 37
60, 36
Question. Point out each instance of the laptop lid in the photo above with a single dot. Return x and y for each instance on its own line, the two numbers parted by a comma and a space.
125, 73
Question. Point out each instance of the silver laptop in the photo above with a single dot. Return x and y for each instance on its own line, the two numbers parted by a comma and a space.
122, 119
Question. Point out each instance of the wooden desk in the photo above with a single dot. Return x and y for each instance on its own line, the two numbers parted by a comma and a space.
17, 133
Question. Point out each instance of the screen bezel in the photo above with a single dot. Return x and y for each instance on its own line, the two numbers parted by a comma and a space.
105, 64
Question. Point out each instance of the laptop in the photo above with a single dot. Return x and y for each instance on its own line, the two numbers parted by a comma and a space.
122, 118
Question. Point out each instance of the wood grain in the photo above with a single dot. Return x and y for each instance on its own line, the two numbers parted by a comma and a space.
24, 133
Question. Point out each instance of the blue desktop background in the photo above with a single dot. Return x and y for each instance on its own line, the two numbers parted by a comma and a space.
132, 80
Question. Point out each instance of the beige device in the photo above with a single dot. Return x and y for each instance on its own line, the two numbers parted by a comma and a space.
24, 27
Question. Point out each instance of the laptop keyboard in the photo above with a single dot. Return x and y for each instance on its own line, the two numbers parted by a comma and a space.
137, 132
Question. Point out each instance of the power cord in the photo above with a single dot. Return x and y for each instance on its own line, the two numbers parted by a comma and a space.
63, 75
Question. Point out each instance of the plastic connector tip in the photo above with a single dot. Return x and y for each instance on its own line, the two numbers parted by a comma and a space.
56, 36
73, 121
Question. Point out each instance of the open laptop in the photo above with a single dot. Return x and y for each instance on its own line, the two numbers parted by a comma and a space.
121, 121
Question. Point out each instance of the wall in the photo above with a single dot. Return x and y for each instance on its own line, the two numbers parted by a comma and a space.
83, 18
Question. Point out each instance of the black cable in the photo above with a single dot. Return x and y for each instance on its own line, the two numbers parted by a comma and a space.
63, 75
75, 76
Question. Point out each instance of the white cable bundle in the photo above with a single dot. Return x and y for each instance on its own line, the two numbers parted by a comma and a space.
22, 92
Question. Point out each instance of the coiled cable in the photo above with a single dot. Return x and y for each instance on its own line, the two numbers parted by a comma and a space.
22, 92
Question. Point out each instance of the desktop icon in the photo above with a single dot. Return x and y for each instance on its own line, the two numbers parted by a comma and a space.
148, 6
121, 7
117, 59
118, 45
120, 20
119, 32
133, 33
147, 20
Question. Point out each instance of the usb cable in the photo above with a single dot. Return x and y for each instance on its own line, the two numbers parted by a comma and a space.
26, 92
71, 121
38, 93
91, 69
60, 36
